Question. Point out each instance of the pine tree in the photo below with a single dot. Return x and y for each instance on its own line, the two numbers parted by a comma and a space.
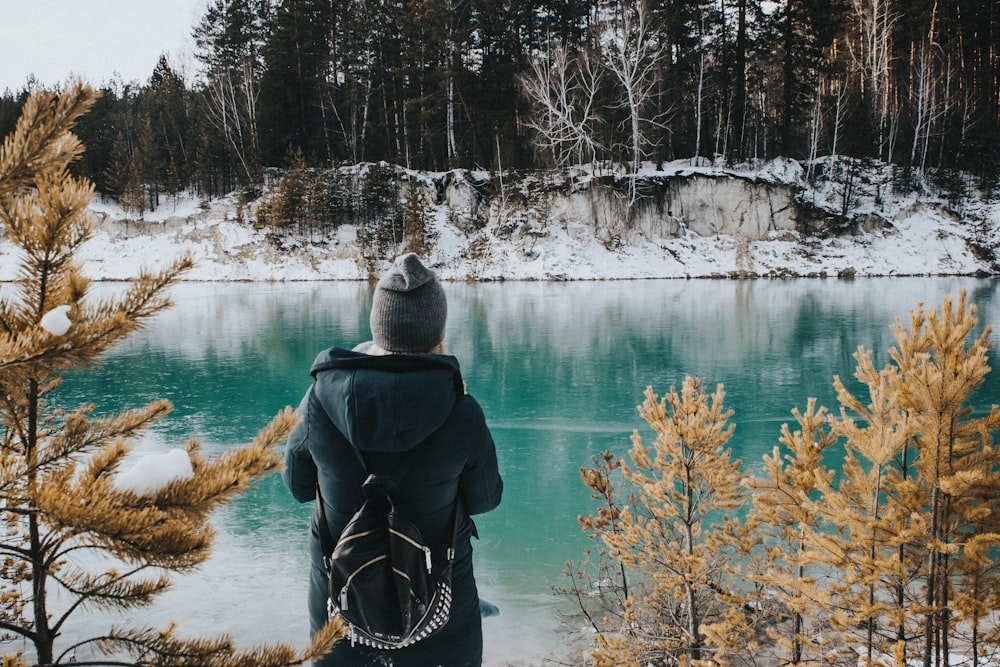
122, 176
781, 516
437, 34
417, 232
892, 553
97, 130
956, 462
863, 524
149, 167
382, 210
807, 30
165, 102
285, 207
684, 605
293, 109
681, 28
69, 527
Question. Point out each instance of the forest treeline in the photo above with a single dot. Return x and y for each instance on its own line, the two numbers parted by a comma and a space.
505, 84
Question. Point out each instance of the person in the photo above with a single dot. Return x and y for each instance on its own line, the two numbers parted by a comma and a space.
385, 397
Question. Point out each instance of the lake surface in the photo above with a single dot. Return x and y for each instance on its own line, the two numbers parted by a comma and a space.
559, 369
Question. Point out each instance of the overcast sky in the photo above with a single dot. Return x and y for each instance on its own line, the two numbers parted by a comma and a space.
95, 39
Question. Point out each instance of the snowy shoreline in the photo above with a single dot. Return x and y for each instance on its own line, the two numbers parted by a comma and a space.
915, 237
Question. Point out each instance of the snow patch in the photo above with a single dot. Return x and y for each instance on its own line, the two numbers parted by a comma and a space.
56, 321
154, 472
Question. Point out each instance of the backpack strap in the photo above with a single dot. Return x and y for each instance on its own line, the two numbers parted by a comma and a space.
401, 470
325, 540
454, 532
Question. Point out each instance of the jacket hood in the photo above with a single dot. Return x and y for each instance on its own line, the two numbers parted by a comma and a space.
387, 403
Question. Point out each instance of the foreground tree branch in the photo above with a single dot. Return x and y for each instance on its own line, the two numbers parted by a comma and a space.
59, 491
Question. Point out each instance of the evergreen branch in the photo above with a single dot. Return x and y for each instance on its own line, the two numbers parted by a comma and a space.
41, 139
13, 425
80, 435
92, 640
30, 358
118, 320
18, 552
115, 592
169, 651
218, 652
18, 630
95, 663
109, 324
4, 324
188, 547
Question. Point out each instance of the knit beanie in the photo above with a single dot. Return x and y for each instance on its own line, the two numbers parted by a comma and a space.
409, 308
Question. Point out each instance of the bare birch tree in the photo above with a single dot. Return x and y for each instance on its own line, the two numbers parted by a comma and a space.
632, 55
702, 67
873, 53
229, 42
815, 130
231, 95
840, 109
562, 92
930, 97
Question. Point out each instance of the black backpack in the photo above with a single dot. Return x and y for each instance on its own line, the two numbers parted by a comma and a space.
382, 579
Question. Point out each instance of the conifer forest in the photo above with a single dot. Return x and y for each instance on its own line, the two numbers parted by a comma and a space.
441, 84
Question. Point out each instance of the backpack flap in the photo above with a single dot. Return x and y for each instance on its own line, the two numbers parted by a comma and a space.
412, 568
360, 573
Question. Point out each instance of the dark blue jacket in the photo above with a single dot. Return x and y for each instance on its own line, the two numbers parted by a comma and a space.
385, 406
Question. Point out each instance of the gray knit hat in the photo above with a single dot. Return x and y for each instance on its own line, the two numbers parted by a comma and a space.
409, 308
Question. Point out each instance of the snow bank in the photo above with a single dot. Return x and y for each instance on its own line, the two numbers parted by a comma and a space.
695, 221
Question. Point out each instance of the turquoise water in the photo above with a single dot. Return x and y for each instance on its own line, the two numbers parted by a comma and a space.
558, 368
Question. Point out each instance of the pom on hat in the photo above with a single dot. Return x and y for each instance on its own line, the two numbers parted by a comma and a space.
409, 309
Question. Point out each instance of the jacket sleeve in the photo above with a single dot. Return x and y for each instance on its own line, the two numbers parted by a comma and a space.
299, 474
480, 486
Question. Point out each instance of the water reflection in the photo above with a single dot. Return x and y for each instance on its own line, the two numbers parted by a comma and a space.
559, 369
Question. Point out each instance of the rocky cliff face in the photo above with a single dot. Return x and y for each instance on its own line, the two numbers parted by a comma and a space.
697, 222
664, 207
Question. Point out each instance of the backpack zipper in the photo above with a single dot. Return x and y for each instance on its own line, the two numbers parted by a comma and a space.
416, 545
347, 584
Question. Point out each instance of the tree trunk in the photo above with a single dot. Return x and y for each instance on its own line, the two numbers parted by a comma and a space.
932, 561
694, 620
42, 633
740, 82
788, 76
